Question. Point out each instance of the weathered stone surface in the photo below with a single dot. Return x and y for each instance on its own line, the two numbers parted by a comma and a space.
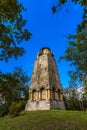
38, 105
45, 91
44, 105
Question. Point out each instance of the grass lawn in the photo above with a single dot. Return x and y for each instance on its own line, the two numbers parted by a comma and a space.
46, 120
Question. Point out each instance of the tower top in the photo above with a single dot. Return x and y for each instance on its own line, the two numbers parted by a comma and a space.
45, 50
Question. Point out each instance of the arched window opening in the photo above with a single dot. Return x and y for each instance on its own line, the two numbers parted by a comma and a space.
34, 94
59, 94
43, 94
53, 93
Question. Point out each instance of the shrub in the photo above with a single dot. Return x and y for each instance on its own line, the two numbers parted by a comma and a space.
23, 103
4, 109
15, 109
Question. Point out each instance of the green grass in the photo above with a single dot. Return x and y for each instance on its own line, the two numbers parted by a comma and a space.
46, 120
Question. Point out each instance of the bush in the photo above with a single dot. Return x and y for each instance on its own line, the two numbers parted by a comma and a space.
4, 109
23, 103
15, 109
85, 104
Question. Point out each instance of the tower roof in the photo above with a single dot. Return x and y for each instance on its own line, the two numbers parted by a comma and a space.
44, 49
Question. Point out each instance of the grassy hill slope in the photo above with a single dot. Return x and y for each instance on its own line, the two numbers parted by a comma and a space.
46, 120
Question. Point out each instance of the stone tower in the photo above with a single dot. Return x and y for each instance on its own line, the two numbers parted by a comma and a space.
45, 91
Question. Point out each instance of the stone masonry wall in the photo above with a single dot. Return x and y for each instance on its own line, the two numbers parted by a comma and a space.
45, 91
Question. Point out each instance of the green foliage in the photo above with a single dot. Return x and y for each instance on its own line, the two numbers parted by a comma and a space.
85, 93
71, 99
84, 98
53, 9
75, 99
12, 31
62, 2
15, 109
4, 108
14, 85
46, 120
23, 103
76, 52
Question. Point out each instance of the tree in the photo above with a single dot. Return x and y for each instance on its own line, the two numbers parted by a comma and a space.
84, 98
71, 99
76, 52
12, 31
63, 2
14, 86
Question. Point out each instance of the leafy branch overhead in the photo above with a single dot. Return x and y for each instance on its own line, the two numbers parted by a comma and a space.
76, 52
62, 2
12, 31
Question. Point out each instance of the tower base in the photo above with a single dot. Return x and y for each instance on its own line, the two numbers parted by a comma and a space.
44, 105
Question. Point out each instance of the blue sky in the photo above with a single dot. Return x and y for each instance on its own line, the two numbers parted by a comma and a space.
48, 30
